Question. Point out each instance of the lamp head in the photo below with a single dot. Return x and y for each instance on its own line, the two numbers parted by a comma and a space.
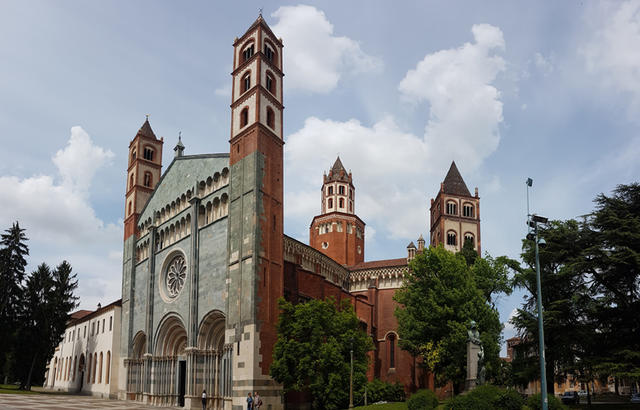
542, 243
529, 182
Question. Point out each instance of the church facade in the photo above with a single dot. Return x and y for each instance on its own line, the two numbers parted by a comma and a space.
205, 256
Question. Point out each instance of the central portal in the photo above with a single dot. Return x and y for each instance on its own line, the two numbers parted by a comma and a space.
182, 379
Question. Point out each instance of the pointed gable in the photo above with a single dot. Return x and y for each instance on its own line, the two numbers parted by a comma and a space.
453, 183
146, 130
337, 172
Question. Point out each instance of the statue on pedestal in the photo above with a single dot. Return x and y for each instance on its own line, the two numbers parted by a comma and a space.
476, 371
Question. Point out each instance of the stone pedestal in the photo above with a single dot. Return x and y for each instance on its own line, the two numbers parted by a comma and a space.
472, 365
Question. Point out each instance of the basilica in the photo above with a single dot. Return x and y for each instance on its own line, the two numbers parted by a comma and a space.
205, 258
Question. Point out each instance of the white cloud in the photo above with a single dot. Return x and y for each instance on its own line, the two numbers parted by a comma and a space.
307, 31
224, 91
543, 64
508, 326
62, 224
611, 51
79, 160
399, 168
465, 108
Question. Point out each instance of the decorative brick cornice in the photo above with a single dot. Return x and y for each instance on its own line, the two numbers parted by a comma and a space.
315, 261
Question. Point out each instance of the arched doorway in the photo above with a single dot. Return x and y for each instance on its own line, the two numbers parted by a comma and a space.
214, 359
81, 366
170, 362
135, 367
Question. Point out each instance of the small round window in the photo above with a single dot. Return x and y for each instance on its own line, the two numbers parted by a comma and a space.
175, 276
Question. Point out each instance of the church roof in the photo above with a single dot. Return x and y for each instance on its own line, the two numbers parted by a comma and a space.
80, 314
453, 182
337, 172
386, 263
146, 130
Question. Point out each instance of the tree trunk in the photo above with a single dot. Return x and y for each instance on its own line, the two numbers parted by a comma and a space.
588, 394
615, 383
33, 363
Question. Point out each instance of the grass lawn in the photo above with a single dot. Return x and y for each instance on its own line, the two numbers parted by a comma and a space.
386, 406
13, 389
615, 406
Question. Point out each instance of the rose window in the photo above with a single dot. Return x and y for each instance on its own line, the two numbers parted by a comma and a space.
176, 276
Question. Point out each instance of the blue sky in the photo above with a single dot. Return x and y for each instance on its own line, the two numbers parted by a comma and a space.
507, 89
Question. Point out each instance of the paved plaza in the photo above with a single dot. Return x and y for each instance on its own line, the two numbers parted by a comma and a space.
65, 401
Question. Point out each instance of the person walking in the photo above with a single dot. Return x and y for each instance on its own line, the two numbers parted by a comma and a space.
257, 401
204, 399
249, 401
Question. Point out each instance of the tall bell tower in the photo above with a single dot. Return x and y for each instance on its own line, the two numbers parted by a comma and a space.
143, 173
455, 214
255, 231
337, 231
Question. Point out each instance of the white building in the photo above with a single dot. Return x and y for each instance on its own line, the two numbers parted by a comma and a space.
86, 359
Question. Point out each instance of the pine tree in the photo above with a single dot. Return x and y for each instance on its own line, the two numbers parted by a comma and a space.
13, 250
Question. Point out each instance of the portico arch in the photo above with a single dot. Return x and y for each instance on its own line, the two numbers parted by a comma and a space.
211, 331
171, 337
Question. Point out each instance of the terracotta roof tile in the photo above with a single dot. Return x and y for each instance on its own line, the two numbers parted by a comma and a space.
453, 182
379, 264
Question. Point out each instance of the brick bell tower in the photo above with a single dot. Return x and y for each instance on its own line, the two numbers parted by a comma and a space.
143, 173
255, 231
455, 214
337, 231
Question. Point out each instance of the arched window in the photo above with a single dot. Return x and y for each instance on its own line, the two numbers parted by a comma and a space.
451, 238
469, 237
330, 190
269, 53
95, 365
130, 207
452, 208
467, 210
148, 153
131, 181
271, 81
246, 82
330, 203
147, 179
100, 371
392, 351
271, 118
247, 52
341, 190
106, 376
341, 202
75, 362
89, 369
350, 206
244, 117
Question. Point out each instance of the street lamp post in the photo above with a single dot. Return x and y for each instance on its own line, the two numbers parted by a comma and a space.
351, 377
532, 222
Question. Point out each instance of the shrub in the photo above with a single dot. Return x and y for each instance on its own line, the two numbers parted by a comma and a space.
467, 402
422, 400
378, 390
509, 399
486, 397
554, 403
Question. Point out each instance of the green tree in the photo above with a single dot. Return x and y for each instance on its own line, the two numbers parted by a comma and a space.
312, 352
13, 250
48, 300
440, 297
612, 261
565, 299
